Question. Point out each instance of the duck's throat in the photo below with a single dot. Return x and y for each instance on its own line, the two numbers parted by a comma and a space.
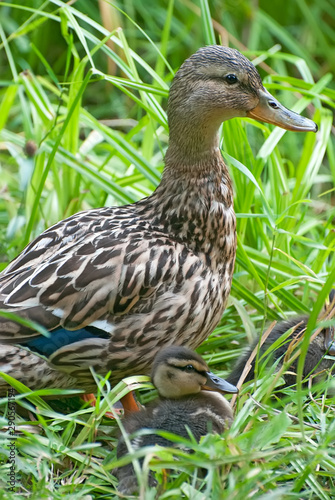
194, 147
194, 204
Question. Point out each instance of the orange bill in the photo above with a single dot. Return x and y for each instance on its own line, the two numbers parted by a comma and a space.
270, 110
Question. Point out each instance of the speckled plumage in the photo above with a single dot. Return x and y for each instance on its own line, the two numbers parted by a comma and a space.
132, 279
161, 285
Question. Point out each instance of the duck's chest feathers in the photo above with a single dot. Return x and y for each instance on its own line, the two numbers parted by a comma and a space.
200, 214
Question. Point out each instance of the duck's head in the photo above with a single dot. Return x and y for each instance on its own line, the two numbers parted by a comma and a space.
218, 83
178, 372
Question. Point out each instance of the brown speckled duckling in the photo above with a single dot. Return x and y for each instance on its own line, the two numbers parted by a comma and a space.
114, 285
190, 396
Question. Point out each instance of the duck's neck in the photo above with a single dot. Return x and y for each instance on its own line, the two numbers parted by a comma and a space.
194, 201
192, 160
193, 140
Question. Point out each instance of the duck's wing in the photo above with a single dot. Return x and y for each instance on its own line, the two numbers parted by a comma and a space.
83, 268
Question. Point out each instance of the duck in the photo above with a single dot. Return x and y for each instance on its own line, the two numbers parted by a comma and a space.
110, 287
320, 356
190, 398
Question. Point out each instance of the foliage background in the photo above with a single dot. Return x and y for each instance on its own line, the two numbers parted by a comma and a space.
83, 89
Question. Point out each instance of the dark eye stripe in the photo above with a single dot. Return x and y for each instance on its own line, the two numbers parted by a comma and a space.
230, 78
188, 367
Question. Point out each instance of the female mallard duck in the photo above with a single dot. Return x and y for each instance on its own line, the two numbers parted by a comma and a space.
114, 285
315, 360
190, 398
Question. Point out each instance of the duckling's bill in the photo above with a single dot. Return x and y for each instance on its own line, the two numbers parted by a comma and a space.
215, 383
270, 110
330, 340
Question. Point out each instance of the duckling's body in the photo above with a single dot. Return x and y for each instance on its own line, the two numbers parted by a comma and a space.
114, 285
187, 406
315, 360
202, 413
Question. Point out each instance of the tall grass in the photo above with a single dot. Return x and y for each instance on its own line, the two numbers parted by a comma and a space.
83, 124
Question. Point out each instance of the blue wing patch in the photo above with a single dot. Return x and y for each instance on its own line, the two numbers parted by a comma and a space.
62, 337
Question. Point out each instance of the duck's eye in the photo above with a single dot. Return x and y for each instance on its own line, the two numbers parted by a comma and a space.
231, 78
189, 368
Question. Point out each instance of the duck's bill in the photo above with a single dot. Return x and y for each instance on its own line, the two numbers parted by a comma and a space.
270, 110
218, 384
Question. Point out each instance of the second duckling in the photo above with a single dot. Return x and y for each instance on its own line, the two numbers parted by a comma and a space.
315, 360
190, 397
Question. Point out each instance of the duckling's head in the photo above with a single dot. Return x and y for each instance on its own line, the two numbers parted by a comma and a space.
218, 83
178, 372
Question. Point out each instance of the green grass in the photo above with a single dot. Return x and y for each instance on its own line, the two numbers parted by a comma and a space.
83, 124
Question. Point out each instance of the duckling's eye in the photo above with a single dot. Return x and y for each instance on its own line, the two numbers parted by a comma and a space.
189, 368
231, 79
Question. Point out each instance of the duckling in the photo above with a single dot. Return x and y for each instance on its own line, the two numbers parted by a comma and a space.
114, 285
315, 359
190, 397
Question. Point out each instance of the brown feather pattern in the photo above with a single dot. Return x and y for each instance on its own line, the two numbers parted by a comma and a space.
139, 271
